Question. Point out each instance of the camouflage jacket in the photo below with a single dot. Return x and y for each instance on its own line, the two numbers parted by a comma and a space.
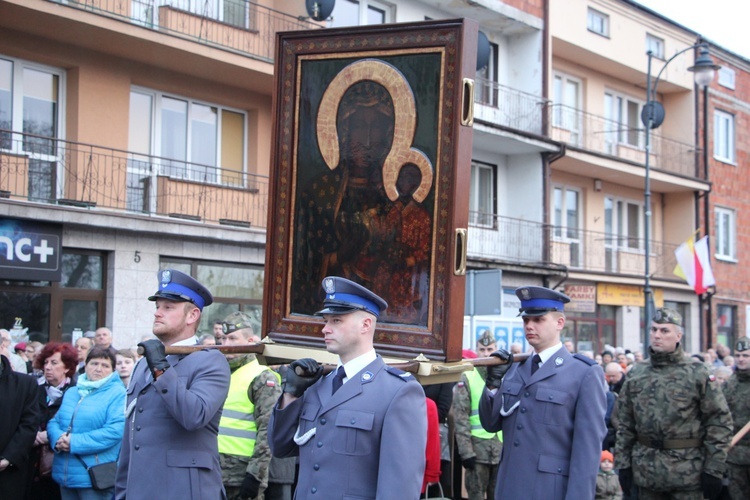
486, 451
672, 397
737, 392
263, 392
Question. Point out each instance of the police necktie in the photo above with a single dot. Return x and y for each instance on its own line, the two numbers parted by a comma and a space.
338, 379
535, 363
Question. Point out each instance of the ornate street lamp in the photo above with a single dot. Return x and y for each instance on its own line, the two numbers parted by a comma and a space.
652, 117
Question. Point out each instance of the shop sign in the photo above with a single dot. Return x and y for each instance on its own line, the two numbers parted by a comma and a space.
582, 298
30, 250
611, 294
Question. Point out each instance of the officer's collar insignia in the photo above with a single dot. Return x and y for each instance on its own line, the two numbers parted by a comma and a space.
525, 294
166, 277
329, 285
558, 361
366, 376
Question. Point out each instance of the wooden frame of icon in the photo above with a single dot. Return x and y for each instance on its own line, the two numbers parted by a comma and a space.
370, 180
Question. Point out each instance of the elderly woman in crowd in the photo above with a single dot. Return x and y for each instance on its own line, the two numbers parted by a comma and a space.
58, 363
88, 428
125, 363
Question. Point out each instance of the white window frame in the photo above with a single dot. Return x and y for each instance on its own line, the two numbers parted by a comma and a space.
620, 130
566, 114
483, 218
364, 6
156, 127
726, 77
726, 234
724, 137
656, 45
560, 230
486, 78
597, 22
621, 237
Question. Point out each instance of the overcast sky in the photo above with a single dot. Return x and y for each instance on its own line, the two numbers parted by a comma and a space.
724, 22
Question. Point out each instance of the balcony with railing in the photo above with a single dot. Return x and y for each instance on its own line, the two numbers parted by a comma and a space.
599, 135
237, 25
51, 171
508, 107
504, 239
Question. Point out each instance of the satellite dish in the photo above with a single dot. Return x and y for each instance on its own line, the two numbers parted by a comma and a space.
320, 10
483, 51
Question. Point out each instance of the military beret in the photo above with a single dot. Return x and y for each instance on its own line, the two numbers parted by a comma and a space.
538, 300
667, 315
179, 287
236, 321
743, 344
344, 296
486, 338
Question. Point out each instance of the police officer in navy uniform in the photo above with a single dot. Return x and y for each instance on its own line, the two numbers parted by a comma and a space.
550, 408
361, 431
174, 403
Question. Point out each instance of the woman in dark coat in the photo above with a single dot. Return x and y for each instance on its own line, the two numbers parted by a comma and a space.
58, 361
19, 420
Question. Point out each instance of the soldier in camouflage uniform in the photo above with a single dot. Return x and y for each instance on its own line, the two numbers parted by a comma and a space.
243, 441
674, 425
479, 449
737, 392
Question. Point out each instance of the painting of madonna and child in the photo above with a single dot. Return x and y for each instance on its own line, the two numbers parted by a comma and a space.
370, 190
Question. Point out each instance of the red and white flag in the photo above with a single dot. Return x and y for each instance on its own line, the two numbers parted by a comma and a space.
694, 264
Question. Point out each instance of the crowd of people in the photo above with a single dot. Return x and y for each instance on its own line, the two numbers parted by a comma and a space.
87, 421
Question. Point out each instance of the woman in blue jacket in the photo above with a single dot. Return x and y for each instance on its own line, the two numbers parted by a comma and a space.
88, 428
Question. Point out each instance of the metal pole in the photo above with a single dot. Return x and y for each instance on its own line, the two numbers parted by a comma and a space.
647, 212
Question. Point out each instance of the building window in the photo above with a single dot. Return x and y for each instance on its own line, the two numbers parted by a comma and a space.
726, 77
52, 310
361, 12
193, 141
482, 194
566, 212
655, 45
486, 79
726, 319
235, 287
726, 234
566, 111
597, 22
30, 102
591, 331
724, 136
623, 126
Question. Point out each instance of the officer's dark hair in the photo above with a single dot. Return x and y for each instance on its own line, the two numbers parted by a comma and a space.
100, 352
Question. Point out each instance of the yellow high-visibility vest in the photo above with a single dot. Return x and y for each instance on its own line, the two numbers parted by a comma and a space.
476, 386
237, 428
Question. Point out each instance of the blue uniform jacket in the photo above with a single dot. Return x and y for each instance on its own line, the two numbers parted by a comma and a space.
96, 435
366, 442
170, 449
552, 439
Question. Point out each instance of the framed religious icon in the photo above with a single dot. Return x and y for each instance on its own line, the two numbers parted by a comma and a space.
370, 180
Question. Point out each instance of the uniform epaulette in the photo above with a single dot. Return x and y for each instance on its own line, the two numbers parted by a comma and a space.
405, 376
585, 359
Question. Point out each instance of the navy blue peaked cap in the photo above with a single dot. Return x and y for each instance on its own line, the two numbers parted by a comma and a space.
344, 296
179, 287
538, 300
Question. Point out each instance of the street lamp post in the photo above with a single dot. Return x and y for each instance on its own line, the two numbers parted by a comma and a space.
652, 117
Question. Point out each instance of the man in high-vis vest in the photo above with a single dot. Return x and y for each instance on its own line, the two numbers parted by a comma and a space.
253, 390
479, 450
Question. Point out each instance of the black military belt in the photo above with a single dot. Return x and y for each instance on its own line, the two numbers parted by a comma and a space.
669, 444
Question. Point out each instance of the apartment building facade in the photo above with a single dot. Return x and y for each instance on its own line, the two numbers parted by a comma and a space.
597, 190
724, 115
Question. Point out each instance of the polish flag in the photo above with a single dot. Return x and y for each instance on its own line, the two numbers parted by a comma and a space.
694, 264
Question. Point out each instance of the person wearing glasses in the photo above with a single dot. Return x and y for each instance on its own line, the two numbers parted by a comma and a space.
674, 424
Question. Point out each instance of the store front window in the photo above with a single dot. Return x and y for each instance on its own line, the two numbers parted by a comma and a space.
52, 310
591, 331
234, 288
